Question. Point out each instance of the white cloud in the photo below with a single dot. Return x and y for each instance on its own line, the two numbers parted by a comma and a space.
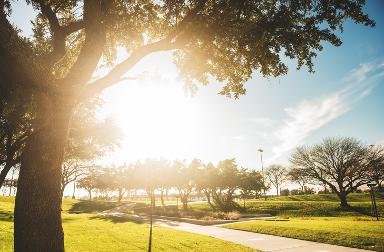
360, 73
309, 115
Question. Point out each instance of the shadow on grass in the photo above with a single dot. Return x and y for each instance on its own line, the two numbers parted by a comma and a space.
88, 206
117, 219
6, 216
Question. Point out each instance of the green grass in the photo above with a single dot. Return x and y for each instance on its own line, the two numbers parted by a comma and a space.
353, 197
89, 232
359, 232
325, 205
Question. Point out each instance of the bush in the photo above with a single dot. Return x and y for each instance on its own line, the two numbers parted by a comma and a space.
233, 215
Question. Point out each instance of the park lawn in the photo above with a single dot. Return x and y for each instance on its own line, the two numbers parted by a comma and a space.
358, 232
90, 232
352, 197
313, 205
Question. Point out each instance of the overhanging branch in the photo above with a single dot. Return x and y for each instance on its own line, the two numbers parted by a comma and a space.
119, 70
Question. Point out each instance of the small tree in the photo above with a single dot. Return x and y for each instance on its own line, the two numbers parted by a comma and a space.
376, 171
89, 183
226, 182
341, 163
295, 176
251, 185
185, 179
277, 175
204, 182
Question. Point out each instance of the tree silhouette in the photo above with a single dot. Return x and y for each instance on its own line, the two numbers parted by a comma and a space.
343, 164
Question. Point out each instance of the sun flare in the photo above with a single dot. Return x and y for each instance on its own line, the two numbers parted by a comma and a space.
158, 119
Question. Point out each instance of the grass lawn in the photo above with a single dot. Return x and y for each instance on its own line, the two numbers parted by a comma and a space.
323, 205
89, 232
359, 232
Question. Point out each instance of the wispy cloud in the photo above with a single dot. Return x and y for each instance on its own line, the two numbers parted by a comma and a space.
307, 116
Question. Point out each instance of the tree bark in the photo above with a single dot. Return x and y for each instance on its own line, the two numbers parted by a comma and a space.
38, 199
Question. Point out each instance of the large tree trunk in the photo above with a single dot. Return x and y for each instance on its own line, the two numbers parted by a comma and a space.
38, 199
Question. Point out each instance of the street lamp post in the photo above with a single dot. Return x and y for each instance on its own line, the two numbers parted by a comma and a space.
262, 171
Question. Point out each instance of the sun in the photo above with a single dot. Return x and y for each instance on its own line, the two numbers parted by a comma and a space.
157, 118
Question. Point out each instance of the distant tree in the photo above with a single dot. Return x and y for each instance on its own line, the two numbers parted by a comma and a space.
165, 178
251, 185
89, 183
89, 138
147, 176
185, 178
295, 176
121, 180
376, 172
226, 182
277, 175
341, 163
204, 182
225, 40
11, 184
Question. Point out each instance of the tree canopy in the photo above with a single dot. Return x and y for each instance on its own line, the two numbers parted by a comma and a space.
225, 39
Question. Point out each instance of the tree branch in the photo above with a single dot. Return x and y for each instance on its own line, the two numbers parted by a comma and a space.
114, 76
73, 27
91, 51
59, 33
174, 40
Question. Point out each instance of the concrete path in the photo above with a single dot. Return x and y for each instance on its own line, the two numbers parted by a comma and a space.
258, 241
255, 240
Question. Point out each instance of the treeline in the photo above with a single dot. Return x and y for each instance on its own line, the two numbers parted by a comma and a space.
339, 165
220, 184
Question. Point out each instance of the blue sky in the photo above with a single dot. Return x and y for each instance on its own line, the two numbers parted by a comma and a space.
344, 97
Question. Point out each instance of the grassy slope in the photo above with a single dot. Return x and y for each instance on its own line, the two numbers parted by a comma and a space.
347, 231
346, 228
353, 197
306, 205
88, 232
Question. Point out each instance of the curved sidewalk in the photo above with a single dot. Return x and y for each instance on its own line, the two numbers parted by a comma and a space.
255, 240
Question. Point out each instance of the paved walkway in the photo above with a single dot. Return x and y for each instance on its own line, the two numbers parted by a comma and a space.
255, 240
258, 241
